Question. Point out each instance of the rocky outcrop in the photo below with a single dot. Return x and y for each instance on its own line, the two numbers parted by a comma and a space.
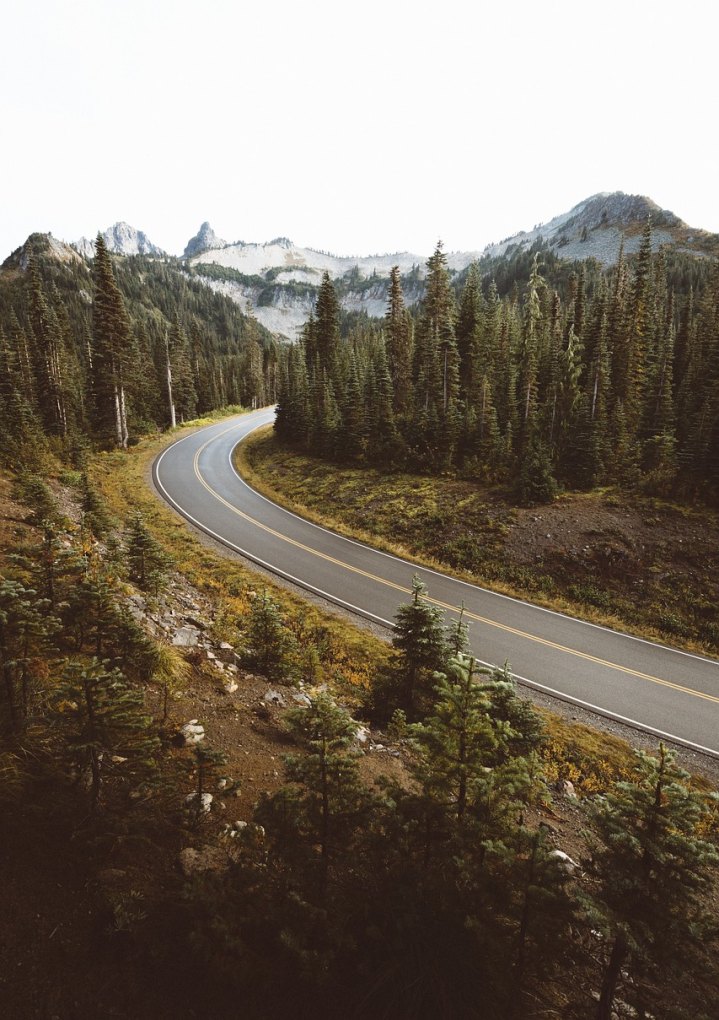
121, 239
204, 240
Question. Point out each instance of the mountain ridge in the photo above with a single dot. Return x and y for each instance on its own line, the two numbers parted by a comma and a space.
121, 239
280, 279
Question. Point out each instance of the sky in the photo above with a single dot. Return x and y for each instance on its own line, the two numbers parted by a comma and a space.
356, 128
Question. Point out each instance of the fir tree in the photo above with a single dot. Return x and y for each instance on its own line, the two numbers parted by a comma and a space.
652, 867
103, 716
111, 351
267, 638
333, 801
420, 649
146, 560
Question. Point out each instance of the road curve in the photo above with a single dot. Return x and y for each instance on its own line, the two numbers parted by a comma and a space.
670, 693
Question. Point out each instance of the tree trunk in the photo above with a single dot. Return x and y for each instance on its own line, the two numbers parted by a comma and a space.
173, 419
611, 976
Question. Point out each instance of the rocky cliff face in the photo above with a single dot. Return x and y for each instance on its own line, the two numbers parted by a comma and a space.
121, 239
204, 240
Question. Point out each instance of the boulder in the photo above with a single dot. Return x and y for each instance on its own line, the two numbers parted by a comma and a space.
226, 653
205, 803
186, 637
565, 860
230, 686
272, 697
300, 698
192, 732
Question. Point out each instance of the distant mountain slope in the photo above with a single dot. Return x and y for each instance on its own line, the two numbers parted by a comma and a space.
121, 239
280, 278
596, 227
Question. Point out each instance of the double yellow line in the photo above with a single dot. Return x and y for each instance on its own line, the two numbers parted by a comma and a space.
437, 602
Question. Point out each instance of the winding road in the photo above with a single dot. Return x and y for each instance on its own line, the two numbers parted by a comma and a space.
670, 693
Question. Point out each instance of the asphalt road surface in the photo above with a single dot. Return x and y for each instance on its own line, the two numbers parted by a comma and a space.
659, 689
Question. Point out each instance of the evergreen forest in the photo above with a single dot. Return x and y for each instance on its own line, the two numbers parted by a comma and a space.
528, 371
196, 823
107, 352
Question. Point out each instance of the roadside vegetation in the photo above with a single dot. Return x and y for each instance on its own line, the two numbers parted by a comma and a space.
219, 799
625, 560
236, 832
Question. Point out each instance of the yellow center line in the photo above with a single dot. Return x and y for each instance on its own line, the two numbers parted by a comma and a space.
437, 602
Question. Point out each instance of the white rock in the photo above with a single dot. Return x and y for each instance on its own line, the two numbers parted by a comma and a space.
570, 865
300, 698
205, 802
186, 637
362, 735
274, 698
193, 732
230, 687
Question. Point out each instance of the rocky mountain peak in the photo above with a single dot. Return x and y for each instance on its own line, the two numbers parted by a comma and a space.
617, 209
204, 240
598, 227
40, 246
121, 239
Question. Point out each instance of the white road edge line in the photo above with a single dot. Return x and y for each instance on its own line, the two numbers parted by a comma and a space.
643, 727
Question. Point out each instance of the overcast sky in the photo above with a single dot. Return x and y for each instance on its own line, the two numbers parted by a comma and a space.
352, 127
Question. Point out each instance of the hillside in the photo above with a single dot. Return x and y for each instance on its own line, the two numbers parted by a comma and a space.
595, 228
177, 349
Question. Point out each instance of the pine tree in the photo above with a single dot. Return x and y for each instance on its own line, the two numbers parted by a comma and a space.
268, 640
535, 482
652, 867
103, 717
399, 345
26, 638
327, 326
469, 322
112, 345
420, 650
49, 356
528, 359
146, 560
457, 738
